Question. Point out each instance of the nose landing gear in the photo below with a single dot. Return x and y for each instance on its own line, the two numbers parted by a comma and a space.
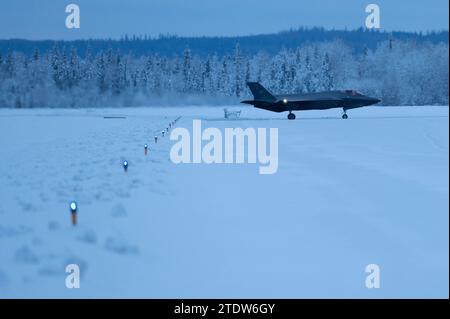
291, 116
345, 116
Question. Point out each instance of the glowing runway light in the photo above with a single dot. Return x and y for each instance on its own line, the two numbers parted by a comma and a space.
73, 210
145, 148
125, 165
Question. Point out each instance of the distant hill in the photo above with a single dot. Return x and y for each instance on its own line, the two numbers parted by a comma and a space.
271, 43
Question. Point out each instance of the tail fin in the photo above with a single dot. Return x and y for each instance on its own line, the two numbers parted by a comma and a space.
260, 93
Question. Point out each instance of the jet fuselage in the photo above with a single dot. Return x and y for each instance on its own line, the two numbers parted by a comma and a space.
345, 99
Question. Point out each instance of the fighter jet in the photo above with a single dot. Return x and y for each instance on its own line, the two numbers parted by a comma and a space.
346, 99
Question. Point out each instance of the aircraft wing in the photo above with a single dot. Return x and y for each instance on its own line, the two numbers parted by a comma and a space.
311, 99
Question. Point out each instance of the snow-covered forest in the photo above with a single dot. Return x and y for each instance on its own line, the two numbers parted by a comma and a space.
399, 72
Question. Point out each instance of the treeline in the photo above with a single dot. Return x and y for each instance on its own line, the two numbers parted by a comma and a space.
168, 45
399, 72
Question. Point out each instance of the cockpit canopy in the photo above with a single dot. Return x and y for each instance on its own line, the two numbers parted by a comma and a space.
352, 92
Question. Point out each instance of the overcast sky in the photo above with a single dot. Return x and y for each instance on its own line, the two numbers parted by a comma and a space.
45, 19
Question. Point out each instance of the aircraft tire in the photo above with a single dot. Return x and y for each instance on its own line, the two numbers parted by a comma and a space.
344, 116
291, 116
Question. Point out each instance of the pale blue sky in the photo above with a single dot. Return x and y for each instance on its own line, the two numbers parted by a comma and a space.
45, 19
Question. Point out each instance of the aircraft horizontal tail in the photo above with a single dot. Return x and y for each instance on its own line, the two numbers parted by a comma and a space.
260, 93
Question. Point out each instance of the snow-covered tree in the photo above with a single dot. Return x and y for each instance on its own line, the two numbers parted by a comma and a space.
398, 72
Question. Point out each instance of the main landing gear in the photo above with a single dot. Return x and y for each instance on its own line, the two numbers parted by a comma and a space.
345, 116
291, 116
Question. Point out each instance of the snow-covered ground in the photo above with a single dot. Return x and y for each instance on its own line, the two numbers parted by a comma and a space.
348, 193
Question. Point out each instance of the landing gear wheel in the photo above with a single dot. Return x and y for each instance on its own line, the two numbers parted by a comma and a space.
344, 116
291, 116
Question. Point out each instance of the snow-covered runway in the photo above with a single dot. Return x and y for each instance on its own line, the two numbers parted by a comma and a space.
372, 189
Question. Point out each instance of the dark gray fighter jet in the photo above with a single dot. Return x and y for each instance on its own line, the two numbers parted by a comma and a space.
347, 99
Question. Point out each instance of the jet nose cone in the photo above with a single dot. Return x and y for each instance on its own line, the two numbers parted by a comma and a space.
371, 101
